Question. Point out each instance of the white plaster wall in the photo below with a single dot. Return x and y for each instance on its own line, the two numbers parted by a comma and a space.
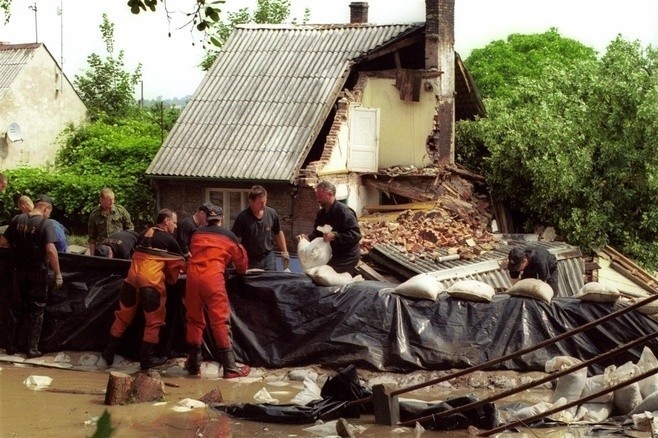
338, 161
43, 105
404, 126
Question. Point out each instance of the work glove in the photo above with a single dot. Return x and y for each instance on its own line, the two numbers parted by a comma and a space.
285, 259
59, 281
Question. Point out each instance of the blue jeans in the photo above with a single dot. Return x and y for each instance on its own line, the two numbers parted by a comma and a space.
268, 262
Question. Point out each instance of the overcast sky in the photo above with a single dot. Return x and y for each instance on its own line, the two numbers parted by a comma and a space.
170, 64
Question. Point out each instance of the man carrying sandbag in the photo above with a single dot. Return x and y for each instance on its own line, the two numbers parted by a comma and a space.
345, 234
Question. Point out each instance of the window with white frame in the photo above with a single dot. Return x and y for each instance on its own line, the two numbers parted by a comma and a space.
232, 201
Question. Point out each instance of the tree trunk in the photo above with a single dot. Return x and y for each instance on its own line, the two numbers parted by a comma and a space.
118, 388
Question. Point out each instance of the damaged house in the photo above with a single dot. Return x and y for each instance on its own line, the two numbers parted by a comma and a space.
285, 106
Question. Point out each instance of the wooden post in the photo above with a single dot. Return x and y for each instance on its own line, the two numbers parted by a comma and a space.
118, 388
387, 406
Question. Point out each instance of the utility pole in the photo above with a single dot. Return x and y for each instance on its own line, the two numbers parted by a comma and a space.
33, 7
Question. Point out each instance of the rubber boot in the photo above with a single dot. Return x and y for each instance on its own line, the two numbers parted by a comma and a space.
34, 335
11, 336
147, 357
231, 370
110, 349
194, 358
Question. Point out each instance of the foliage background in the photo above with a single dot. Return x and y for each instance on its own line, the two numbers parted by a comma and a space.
570, 140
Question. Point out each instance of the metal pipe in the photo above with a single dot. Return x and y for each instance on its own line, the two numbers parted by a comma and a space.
493, 362
569, 405
615, 351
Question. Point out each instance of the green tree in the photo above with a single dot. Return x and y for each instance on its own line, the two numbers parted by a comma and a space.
575, 146
106, 87
501, 64
267, 11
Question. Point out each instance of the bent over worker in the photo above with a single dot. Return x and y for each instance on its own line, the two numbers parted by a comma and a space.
533, 262
157, 261
213, 248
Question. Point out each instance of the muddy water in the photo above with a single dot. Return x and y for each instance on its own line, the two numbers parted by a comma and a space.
28, 413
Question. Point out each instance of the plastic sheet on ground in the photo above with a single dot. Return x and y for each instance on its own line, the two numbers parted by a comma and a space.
284, 319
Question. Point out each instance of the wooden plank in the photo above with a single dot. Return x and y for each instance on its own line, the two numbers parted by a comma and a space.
401, 207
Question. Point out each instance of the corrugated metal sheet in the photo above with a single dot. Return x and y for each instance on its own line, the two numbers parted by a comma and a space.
485, 268
13, 58
259, 108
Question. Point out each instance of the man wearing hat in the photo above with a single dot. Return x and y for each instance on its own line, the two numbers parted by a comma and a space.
213, 249
189, 225
532, 262
31, 237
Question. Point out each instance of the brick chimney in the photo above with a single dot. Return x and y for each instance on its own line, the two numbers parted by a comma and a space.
358, 12
440, 56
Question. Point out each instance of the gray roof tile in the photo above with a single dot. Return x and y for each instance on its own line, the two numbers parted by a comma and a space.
259, 108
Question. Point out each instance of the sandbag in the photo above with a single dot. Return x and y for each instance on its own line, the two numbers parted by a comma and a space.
420, 286
532, 288
598, 293
471, 290
569, 387
649, 404
325, 275
314, 253
596, 384
628, 397
646, 363
594, 412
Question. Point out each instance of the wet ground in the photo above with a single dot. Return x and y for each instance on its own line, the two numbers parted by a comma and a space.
72, 403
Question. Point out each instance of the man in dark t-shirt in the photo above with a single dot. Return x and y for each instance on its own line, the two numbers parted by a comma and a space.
190, 224
533, 262
257, 229
31, 238
118, 245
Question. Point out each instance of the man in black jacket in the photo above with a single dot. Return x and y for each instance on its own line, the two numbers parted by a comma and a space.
533, 262
345, 234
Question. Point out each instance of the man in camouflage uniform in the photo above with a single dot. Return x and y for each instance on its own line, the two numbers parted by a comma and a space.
108, 218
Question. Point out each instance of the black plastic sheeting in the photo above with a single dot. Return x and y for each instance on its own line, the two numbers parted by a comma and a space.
284, 319
345, 387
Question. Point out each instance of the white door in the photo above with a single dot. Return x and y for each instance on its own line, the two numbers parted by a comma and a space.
364, 140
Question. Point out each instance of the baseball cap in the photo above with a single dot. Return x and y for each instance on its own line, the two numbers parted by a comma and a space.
515, 258
207, 206
44, 198
215, 213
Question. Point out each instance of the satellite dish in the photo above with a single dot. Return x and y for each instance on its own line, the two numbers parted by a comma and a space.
14, 132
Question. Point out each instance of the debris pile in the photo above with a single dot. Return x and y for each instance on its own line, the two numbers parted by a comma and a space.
455, 222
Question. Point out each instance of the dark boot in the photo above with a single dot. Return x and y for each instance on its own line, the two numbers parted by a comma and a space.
34, 335
231, 370
147, 357
11, 335
110, 349
193, 362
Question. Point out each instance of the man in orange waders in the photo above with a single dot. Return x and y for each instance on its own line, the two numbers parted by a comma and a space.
157, 260
213, 248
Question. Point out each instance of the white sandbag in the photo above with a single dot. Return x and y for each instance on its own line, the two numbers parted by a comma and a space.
594, 412
598, 293
312, 254
627, 398
647, 309
311, 392
471, 290
533, 410
325, 275
560, 363
649, 404
532, 288
594, 385
570, 386
420, 286
646, 363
